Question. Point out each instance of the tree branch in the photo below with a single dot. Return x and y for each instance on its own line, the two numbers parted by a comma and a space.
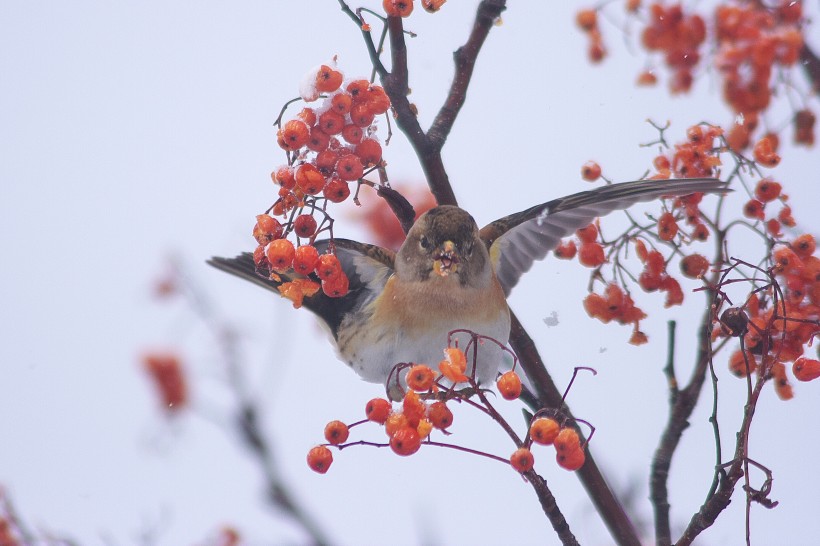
604, 500
465, 58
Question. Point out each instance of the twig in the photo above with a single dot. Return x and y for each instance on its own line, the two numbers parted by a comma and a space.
464, 58
247, 416
607, 505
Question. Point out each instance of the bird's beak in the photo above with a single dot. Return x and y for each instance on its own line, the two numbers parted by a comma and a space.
446, 259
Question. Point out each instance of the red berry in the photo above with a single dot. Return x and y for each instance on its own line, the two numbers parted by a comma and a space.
522, 460
336, 432
319, 459
509, 385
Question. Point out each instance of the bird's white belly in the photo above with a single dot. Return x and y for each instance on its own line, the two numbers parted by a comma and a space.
383, 347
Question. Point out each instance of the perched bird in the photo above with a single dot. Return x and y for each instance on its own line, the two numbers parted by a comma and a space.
449, 275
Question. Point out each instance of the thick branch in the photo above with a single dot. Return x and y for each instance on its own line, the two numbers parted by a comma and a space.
607, 505
681, 407
465, 58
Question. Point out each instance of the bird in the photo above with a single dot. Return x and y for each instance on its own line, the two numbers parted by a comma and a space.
449, 275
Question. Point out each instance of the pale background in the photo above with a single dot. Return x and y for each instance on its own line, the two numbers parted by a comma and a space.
135, 131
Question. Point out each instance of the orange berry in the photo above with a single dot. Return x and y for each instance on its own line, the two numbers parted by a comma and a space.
590, 171
424, 428
786, 260
405, 441
420, 377
331, 122
328, 267
571, 460
509, 385
544, 430
309, 179
361, 114
591, 254
804, 246
377, 99
738, 362
358, 90
328, 80
369, 151
318, 139
781, 382
567, 440
280, 255
337, 286
773, 227
352, 133
336, 432
764, 152
349, 167
646, 78
587, 234
753, 209
587, 19
304, 225
785, 217
767, 190
305, 259
285, 177
266, 229
394, 423
700, 232
694, 266
454, 365
566, 250
638, 338
341, 103
413, 408
319, 459
667, 226
308, 115
295, 134
336, 190
806, 369
522, 460
432, 6
398, 8
378, 410
597, 306
440, 415
326, 160
674, 294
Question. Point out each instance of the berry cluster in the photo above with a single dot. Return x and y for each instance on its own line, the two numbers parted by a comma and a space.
753, 42
587, 19
756, 46
678, 36
780, 320
569, 452
328, 147
424, 408
697, 156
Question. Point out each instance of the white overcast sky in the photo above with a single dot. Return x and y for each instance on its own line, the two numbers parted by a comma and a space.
131, 131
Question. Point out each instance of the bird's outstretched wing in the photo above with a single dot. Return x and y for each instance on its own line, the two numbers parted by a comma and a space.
519, 239
367, 268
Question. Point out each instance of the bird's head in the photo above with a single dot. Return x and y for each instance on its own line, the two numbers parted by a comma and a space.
444, 245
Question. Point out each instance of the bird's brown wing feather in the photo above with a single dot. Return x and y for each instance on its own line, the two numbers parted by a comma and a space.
367, 267
519, 239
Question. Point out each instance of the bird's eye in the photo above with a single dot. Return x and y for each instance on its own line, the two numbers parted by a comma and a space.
424, 242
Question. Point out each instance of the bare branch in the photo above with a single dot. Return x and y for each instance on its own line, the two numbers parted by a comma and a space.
465, 58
